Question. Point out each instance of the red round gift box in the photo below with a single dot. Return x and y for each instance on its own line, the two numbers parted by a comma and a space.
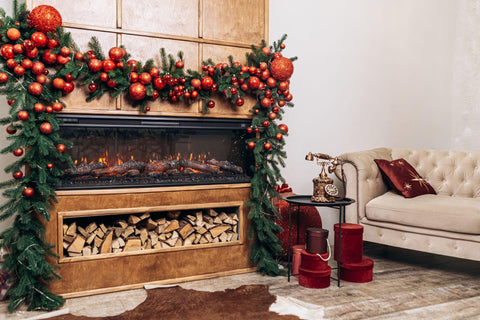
352, 243
357, 272
312, 262
314, 279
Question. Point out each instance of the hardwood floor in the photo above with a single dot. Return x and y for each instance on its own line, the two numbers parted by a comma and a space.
406, 285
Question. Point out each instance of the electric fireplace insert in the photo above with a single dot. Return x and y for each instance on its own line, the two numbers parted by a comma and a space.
135, 151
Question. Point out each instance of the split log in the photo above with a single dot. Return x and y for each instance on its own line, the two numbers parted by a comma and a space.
86, 251
90, 238
186, 231
72, 230
97, 242
64, 228
215, 232
143, 235
226, 166
82, 231
106, 246
77, 244
122, 223
132, 244
197, 165
91, 227
104, 229
223, 216
128, 231
99, 232
68, 239
151, 224
174, 225
211, 212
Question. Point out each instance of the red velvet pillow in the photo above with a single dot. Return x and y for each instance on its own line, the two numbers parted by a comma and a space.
404, 178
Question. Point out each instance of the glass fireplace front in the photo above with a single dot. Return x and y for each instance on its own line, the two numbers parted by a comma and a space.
134, 151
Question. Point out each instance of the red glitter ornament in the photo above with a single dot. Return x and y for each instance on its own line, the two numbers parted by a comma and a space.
137, 91
22, 115
46, 128
281, 68
61, 148
28, 192
18, 152
44, 18
17, 175
251, 144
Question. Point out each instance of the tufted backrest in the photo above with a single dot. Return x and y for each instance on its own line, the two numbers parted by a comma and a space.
452, 173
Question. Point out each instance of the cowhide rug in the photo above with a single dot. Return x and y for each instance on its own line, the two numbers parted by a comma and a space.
245, 302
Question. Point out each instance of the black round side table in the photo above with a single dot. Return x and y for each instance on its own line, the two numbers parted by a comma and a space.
305, 200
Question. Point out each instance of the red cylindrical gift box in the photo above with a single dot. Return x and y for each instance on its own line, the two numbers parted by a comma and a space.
352, 243
314, 279
313, 262
316, 240
357, 272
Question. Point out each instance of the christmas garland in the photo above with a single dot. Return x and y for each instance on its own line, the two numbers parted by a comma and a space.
32, 41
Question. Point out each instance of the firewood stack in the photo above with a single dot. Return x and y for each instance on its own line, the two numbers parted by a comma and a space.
145, 232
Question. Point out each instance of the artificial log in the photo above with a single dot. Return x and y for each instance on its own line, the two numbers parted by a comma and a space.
197, 165
160, 166
226, 166
84, 168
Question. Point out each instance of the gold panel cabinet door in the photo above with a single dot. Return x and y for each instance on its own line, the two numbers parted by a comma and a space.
144, 48
223, 107
172, 17
76, 100
85, 12
237, 21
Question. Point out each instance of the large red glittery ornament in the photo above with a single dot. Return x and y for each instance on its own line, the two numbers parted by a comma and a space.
46, 128
44, 18
137, 91
281, 68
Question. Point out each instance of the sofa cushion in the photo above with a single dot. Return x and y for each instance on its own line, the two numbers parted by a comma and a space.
403, 178
455, 214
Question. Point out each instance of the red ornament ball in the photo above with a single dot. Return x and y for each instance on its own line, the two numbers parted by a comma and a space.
61, 148
266, 123
44, 18
35, 89
57, 106
7, 51
240, 102
249, 130
59, 83
13, 34
279, 136
38, 108
3, 77
179, 65
196, 83
211, 104
28, 192
11, 130
17, 175
253, 82
281, 68
272, 116
159, 84
46, 128
207, 82
145, 78
18, 152
95, 65
22, 115
251, 144
65, 51
92, 87
266, 102
108, 65
49, 165
283, 127
116, 53
266, 50
19, 70
39, 39
137, 91
267, 146
49, 57
49, 109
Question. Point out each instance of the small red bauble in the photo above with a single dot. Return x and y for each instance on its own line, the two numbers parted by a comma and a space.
275, 109
282, 46
155, 94
7, 51
266, 123
253, 82
211, 104
108, 65
207, 82
69, 87
281, 68
44, 18
145, 78
27, 63
277, 55
17, 175
194, 94
10, 102
39, 39
289, 97
116, 53
52, 43
267, 146
48, 57
35, 88
38, 68
32, 54
78, 56
256, 111
46, 128
65, 51
154, 72
214, 87
233, 91
38, 108
11, 63
61, 148
22, 115
49, 109
266, 102
196, 83
283, 127
49, 165
57, 106
147, 109
19, 70
281, 103
58, 83
132, 64
266, 50
244, 87
252, 70
62, 60
18, 152
179, 65
28, 45
158, 83
263, 66
17, 48
137, 91
92, 87
28, 192
257, 130
111, 83
68, 77
272, 116
283, 85
133, 77
204, 67
104, 76
95, 65
11, 130
249, 130
279, 136
13, 34
3, 77
187, 95
41, 78
239, 102
251, 144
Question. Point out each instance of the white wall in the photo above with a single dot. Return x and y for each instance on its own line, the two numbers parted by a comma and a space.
370, 73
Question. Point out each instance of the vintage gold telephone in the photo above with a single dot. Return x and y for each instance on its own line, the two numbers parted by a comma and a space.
323, 188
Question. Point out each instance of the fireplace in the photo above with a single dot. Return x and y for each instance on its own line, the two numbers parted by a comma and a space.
133, 151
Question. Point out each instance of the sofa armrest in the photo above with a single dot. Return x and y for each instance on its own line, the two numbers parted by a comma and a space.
363, 180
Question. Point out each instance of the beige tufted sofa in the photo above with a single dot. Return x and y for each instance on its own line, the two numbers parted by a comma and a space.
447, 223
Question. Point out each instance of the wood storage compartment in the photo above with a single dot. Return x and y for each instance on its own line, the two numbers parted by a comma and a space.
198, 232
